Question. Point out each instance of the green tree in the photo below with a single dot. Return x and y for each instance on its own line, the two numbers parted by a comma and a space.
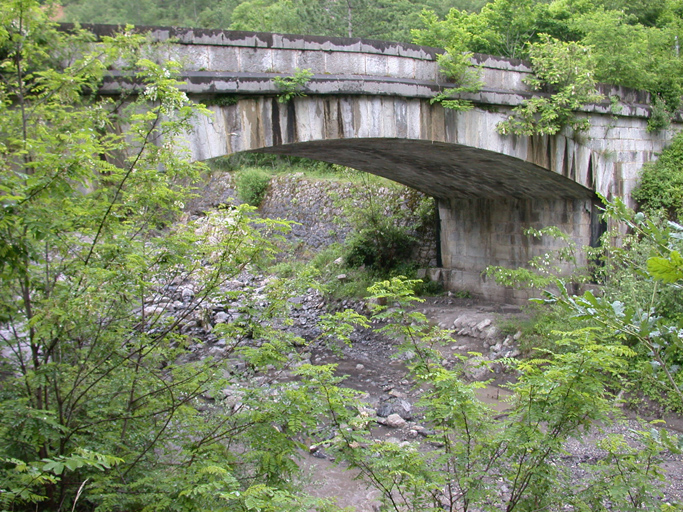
146, 12
661, 182
639, 304
507, 463
376, 19
101, 407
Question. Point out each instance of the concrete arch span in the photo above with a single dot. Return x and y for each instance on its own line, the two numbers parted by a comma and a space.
490, 188
366, 130
441, 170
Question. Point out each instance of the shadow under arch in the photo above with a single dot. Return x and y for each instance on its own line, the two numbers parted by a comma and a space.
441, 170
485, 202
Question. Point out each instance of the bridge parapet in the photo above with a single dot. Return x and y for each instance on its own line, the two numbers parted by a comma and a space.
234, 62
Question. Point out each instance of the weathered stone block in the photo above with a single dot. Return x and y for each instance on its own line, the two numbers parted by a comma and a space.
337, 63
256, 60
222, 58
375, 65
284, 62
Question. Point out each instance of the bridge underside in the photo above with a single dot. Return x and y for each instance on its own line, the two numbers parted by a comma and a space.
486, 201
441, 170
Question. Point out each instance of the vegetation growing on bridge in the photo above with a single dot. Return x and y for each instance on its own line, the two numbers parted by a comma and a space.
292, 86
566, 72
634, 44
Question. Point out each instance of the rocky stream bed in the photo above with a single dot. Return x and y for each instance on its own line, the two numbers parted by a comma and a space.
370, 366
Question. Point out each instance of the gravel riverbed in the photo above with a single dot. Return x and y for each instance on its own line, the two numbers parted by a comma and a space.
370, 366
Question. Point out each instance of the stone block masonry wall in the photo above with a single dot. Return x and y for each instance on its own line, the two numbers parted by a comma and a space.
314, 205
482, 232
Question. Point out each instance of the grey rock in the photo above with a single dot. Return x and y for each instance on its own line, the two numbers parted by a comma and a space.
403, 408
385, 409
475, 368
221, 318
395, 421
483, 324
187, 293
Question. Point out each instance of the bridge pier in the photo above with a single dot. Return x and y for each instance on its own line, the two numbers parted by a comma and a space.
480, 232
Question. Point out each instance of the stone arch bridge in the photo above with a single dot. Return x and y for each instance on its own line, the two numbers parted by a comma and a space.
368, 106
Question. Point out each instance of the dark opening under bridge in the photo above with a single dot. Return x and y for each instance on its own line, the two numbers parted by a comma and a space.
368, 106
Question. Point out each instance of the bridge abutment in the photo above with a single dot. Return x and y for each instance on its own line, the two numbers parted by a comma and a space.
478, 233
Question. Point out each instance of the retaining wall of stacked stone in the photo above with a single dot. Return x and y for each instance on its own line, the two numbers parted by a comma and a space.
315, 207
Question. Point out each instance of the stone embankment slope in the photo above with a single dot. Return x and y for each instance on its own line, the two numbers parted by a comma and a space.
315, 207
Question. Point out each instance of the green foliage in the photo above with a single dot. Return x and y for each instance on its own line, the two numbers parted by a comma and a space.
267, 16
640, 300
661, 182
252, 185
546, 271
645, 35
457, 66
381, 246
24, 483
565, 71
100, 407
386, 220
292, 86
646, 59
627, 473
376, 19
284, 164
425, 287
503, 27
384, 227
660, 115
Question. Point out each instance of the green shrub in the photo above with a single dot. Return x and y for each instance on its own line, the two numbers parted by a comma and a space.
327, 256
252, 185
661, 183
383, 247
561, 394
293, 86
287, 269
427, 288
385, 228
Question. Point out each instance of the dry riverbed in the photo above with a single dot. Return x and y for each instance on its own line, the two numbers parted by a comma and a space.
369, 367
